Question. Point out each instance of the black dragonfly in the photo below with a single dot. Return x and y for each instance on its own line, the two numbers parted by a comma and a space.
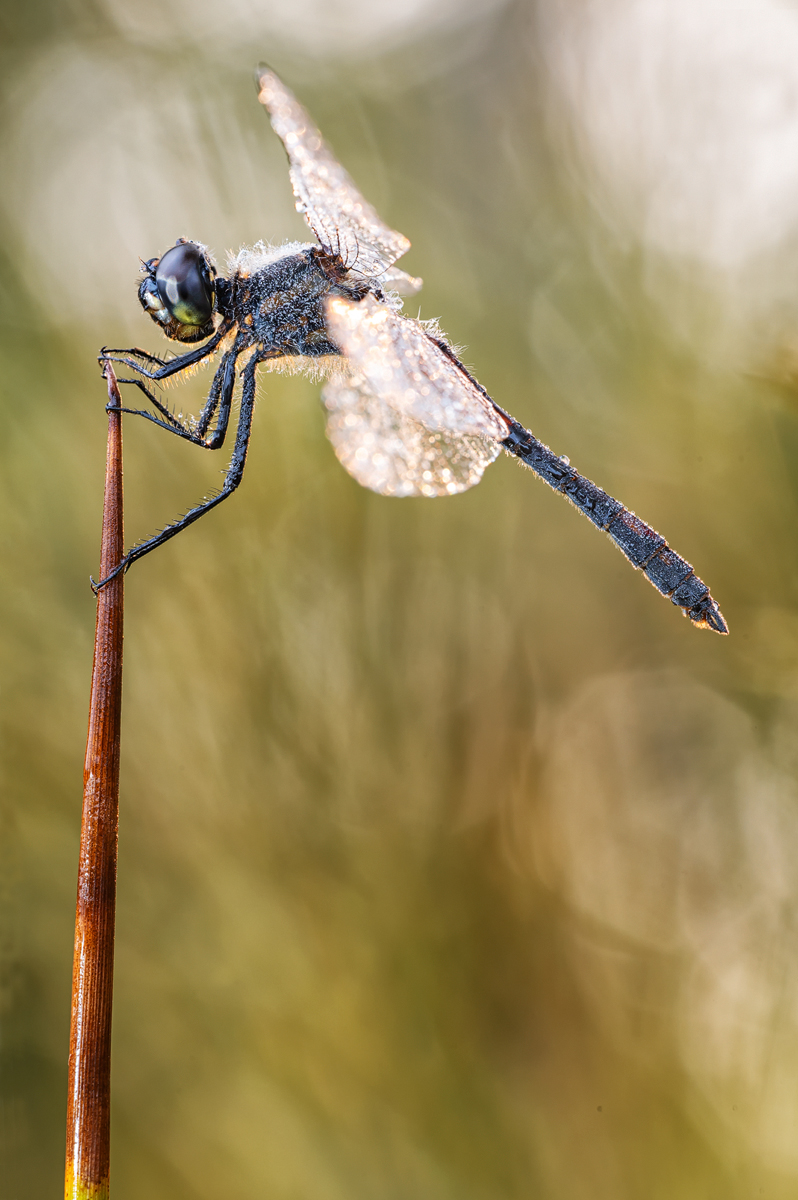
404, 415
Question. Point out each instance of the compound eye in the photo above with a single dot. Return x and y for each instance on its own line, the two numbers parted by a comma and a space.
184, 284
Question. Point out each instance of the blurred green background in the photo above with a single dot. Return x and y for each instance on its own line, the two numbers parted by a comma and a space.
454, 864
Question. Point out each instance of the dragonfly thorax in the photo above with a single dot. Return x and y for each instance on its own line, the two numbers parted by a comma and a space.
277, 296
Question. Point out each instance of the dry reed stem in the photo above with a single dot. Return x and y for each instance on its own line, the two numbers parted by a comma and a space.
88, 1112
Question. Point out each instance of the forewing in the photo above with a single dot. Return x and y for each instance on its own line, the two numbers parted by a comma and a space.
402, 365
341, 219
388, 451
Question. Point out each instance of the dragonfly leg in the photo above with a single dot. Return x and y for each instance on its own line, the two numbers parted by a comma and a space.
140, 412
220, 398
167, 367
232, 479
135, 352
168, 419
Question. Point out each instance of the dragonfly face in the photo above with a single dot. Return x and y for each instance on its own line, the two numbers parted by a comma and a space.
404, 415
178, 291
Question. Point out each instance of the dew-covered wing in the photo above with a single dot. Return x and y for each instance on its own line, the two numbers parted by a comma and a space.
396, 280
341, 219
404, 367
388, 451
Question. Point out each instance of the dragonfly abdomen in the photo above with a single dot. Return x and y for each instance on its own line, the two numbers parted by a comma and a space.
643, 546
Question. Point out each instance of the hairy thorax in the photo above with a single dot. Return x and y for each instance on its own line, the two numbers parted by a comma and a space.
279, 301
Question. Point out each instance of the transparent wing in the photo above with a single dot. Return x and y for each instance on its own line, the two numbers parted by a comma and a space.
389, 452
396, 280
404, 367
334, 209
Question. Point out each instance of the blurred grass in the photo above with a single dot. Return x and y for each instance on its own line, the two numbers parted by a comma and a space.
453, 862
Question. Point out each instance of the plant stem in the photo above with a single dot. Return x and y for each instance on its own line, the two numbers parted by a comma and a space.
88, 1111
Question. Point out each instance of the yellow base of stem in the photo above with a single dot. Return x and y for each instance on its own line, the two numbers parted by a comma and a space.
81, 1189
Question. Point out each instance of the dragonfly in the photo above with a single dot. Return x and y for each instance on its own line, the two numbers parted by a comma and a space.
404, 415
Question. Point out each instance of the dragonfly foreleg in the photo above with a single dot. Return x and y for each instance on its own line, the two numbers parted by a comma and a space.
135, 352
167, 367
232, 479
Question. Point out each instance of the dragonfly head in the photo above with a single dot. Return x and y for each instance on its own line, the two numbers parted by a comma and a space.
178, 291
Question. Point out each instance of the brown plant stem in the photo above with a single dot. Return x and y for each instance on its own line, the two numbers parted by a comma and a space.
88, 1110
